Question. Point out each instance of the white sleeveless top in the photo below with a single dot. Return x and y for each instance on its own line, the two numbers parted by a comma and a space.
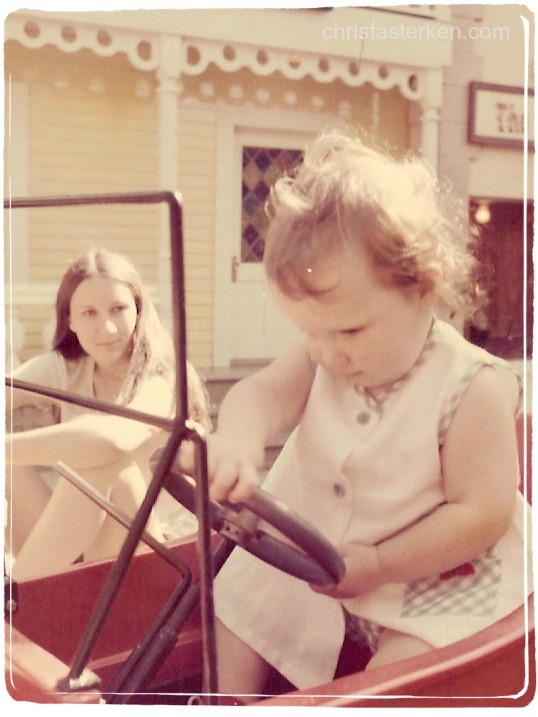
362, 468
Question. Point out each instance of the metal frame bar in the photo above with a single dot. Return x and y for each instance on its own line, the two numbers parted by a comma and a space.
179, 431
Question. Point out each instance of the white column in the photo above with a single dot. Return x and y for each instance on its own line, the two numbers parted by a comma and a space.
430, 117
168, 91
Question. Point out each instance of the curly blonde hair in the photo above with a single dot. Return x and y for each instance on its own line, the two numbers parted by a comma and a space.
347, 195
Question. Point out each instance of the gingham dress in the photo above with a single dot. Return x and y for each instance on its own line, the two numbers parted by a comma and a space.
361, 469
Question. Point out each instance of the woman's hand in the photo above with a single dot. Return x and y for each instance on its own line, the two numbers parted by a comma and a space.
363, 572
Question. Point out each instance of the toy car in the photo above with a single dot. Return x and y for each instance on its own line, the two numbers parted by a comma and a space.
139, 628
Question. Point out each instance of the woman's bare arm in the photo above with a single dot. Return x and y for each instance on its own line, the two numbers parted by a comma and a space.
92, 439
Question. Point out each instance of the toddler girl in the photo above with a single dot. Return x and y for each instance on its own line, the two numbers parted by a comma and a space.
404, 454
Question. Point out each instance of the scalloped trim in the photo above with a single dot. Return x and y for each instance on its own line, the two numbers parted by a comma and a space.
194, 55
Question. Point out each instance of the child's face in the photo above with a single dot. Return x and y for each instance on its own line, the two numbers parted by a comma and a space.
357, 326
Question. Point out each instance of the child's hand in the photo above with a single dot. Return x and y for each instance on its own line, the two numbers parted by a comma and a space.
363, 572
232, 466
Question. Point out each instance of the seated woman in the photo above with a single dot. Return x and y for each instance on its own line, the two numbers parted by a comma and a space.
109, 343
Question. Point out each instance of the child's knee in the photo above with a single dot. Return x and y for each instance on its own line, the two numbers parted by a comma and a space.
394, 646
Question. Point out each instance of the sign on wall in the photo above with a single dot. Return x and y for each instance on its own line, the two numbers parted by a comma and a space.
497, 115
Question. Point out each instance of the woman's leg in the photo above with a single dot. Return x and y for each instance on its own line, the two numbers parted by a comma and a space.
71, 522
128, 492
394, 646
66, 526
241, 671
27, 495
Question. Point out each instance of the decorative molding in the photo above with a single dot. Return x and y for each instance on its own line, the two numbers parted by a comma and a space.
193, 55
34, 31
231, 57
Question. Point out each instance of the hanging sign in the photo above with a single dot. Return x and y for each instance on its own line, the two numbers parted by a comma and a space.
497, 115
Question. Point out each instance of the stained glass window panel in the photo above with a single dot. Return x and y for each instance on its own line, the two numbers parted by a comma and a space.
262, 166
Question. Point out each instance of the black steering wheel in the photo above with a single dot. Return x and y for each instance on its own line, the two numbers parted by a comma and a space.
309, 556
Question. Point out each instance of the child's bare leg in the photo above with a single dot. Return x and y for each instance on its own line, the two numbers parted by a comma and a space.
394, 646
241, 671
27, 495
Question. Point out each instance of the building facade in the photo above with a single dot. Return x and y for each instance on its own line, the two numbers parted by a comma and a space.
214, 104
487, 152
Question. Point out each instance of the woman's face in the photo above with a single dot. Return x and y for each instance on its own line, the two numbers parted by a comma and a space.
102, 313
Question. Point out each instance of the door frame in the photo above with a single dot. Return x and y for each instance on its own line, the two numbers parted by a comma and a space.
255, 123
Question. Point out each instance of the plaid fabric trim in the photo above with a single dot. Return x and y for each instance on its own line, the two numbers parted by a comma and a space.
376, 403
454, 402
470, 589
362, 631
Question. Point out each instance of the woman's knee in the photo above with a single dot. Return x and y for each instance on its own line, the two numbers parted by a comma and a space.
117, 474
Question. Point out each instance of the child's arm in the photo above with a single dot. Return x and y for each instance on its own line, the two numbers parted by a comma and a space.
254, 410
92, 439
480, 472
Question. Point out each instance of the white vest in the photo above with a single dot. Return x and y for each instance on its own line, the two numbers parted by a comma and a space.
362, 469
